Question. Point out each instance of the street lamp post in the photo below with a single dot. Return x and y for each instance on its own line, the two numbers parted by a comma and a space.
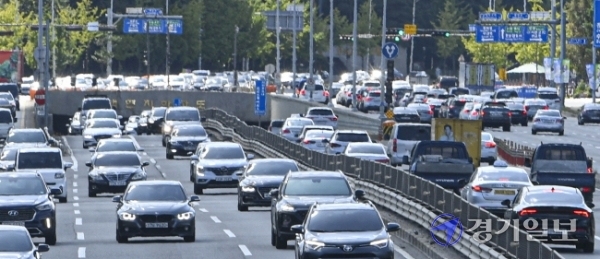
235, 72
331, 20
354, 47
168, 56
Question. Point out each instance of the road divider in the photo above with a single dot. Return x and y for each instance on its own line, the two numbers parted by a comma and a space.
411, 197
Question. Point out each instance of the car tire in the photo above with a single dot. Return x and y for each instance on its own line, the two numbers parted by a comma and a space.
121, 239
164, 142
50, 239
191, 238
524, 124
240, 206
169, 156
91, 193
84, 146
587, 247
273, 236
533, 132
198, 189
506, 128
62, 199
280, 243
561, 133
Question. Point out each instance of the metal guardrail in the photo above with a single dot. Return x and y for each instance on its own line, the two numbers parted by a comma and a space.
511, 243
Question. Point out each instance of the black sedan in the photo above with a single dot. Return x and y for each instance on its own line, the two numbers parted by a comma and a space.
259, 178
111, 172
184, 140
15, 242
155, 209
590, 113
558, 214
518, 114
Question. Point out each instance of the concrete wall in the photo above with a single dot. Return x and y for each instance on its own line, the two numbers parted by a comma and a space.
130, 103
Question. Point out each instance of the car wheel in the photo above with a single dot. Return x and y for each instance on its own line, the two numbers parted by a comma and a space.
50, 239
580, 122
524, 124
84, 146
587, 247
120, 238
241, 207
533, 132
198, 189
190, 238
169, 155
273, 236
280, 243
561, 133
62, 200
164, 142
506, 128
91, 193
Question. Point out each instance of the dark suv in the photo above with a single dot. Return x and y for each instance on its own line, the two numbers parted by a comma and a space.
452, 107
496, 115
297, 192
518, 114
326, 224
27, 201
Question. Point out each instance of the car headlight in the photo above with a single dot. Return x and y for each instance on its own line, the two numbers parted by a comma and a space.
248, 189
382, 243
116, 135
167, 128
314, 245
88, 136
185, 216
95, 177
143, 124
151, 121
44, 206
200, 171
138, 176
59, 175
287, 207
127, 216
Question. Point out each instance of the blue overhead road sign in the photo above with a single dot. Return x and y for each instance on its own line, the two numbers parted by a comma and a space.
472, 27
153, 11
492, 16
390, 50
152, 26
596, 33
513, 16
486, 33
511, 34
577, 41
260, 98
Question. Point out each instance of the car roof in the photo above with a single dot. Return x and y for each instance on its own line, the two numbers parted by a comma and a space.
119, 153
101, 110
411, 124
185, 126
319, 108
182, 108
311, 174
102, 119
156, 182
344, 206
497, 169
298, 119
353, 131
116, 140
272, 160
39, 150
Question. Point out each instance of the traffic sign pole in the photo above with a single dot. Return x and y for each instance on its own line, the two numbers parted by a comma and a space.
596, 44
382, 65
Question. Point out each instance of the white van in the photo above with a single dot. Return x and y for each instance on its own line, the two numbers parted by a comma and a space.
403, 138
550, 96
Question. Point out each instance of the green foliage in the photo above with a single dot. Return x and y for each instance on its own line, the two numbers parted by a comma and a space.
23, 37
449, 18
368, 25
580, 15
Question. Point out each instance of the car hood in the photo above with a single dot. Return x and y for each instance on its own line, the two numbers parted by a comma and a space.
307, 201
16, 255
346, 238
223, 162
114, 169
26, 145
101, 131
146, 207
262, 180
22, 200
173, 123
367, 156
187, 138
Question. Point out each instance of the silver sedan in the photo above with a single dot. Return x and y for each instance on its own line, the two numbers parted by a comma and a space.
548, 121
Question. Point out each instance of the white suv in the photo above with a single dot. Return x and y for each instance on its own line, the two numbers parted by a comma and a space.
322, 116
403, 138
340, 139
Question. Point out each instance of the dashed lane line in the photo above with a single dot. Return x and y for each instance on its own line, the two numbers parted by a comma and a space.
75, 191
245, 250
229, 233
81, 252
75, 166
76, 198
159, 169
215, 219
76, 204
74, 184
77, 212
203, 210
75, 176
78, 221
80, 236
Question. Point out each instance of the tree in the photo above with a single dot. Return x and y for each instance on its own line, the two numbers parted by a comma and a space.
341, 26
23, 37
531, 52
368, 23
449, 19
580, 15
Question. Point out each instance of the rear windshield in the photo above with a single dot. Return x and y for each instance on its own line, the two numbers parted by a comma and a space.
320, 112
36, 160
554, 198
561, 153
375, 94
504, 176
548, 113
277, 124
183, 115
372, 84
448, 82
548, 96
272, 168
414, 133
96, 104
311, 134
12, 88
506, 94
353, 137
445, 151
300, 122
365, 149
6, 117
515, 106
459, 103
459, 91
318, 88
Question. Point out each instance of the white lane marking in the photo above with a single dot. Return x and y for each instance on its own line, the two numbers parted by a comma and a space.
229, 233
215, 219
73, 159
74, 184
203, 210
80, 236
76, 204
135, 141
245, 250
75, 176
76, 198
160, 171
78, 221
81, 252
75, 190
402, 252
144, 153
152, 160
77, 212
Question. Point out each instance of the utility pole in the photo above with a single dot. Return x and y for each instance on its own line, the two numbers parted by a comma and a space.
563, 49
109, 42
311, 81
553, 36
412, 39
167, 61
294, 50
235, 72
382, 66
354, 47
53, 39
46, 70
369, 32
278, 46
331, 21
147, 52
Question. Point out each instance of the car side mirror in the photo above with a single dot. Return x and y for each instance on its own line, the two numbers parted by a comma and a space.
55, 191
405, 160
535, 182
117, 198
338, 153
194, 198
43, 248
194, 158
140, 149
250, 156
297, 229
145, 163
274, 193
202, 119
564, 118
67, 165
591, 205
88, 164
392, 227
325, 140
470, 159
374, 141
359, 194
589, 163
462, 182
68, 125
506, 203
120, 117
239, 173
527, 162
9, 167
298, 140
92, 149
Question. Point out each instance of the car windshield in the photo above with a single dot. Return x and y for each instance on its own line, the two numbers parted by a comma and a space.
183, 115
22, 186
9, 154
223, 153
36, 160
159, 112
504, 176
299, 122
15, 241
103, 114
506, 94
155, 192
271, 168
321, 112
365, 149
556, 198
7, 96
353, 137
108, 146
102, 124
318, 134
348, 220
371, 84
548, 95
317, 186
414, 133
6, 117
26, 137
117, 160
190, 132
549, 113
96, 104
215, 81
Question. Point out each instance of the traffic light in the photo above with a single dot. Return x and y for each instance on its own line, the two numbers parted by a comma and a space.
440, 34
397, 38
401, 32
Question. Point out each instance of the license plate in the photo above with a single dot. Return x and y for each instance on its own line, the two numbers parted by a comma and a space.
267, 195
223, 178
595, 118
157, 225
549, 121
496, 114
117, 183
14, 223
405, 118
505, 192
190, 148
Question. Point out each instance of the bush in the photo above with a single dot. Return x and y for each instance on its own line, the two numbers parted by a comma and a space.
582, 91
